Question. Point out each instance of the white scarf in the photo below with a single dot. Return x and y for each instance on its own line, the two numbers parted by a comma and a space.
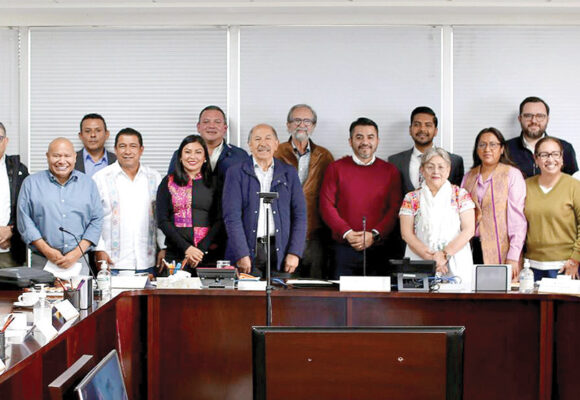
440, 220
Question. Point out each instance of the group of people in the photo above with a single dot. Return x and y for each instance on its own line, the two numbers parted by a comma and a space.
328, 218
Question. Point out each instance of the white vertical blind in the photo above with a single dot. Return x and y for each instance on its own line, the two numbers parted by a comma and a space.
9, 78
153, 80
343, 73
495, 68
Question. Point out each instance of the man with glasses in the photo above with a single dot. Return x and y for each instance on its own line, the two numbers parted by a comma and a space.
534, 117
311, 162
12, 173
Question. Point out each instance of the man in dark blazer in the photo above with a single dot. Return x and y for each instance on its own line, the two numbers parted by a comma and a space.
93, 156
423, 130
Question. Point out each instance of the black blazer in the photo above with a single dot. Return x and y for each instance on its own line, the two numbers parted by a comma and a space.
403, 159
16, 174
80, 163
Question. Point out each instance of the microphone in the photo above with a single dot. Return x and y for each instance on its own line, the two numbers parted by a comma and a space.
80, 248
364, 221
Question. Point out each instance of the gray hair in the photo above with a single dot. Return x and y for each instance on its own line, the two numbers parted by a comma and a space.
314, 116
262, 125
434, 152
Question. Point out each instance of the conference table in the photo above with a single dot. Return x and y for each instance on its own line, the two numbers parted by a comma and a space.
196, 344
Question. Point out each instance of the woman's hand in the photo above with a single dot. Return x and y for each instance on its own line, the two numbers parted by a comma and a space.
441, 262
570, 268
193, 256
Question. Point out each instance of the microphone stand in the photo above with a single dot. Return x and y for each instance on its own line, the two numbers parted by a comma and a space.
364, 221
80, 248
267, 199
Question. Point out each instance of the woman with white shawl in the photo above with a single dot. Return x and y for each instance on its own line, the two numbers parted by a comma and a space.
438, 220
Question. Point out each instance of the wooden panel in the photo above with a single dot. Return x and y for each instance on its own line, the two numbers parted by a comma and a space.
308, 311
501, 338
131, 319
567, 331
206, 347
54, 363
359, 365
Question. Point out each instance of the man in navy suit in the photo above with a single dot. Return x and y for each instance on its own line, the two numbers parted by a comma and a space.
423, 130
212, 126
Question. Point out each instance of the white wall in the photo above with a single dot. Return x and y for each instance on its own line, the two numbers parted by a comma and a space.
482, 58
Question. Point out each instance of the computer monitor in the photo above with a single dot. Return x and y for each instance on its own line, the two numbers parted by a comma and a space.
105, 381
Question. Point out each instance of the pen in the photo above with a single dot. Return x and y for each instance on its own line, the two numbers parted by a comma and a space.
178, 267
8, 322
81, 284
60, 283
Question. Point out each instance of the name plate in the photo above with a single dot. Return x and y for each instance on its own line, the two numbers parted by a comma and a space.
365, 284
67, 310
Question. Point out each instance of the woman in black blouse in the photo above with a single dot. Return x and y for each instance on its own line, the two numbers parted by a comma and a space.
188, 207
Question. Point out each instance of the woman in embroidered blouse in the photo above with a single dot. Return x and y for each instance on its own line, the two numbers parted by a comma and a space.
188, 210
498, 189
437, 220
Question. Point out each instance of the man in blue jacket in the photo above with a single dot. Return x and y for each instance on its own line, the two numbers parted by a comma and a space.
213, 126
244, 212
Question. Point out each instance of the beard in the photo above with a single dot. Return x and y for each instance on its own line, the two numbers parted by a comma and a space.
534, 134
299, 135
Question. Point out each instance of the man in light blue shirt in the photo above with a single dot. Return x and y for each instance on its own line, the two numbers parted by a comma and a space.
60, 197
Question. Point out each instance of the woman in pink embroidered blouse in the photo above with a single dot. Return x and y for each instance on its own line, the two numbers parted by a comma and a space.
188, 210
437, 220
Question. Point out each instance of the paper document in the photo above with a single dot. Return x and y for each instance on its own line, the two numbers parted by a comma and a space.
129, 282
63, 273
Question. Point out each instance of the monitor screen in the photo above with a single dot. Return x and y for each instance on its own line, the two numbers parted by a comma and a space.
104, 382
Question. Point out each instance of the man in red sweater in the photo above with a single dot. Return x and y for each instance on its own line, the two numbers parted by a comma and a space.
360, 188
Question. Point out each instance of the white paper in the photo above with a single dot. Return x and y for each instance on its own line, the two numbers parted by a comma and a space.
365, 284
560, 286
47, 331
252, 285
2, 366
128, 282
67, 310
63, 273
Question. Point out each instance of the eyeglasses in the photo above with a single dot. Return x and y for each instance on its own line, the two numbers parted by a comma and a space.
545, 155
539, 117
492, 145
306, 122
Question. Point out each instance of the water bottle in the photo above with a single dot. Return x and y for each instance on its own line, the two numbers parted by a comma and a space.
104, 281
42, 309
526, 278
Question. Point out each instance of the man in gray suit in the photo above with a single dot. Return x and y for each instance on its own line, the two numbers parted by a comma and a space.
93, 156
423, 130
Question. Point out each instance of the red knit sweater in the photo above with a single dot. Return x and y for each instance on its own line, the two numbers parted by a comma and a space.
350, 191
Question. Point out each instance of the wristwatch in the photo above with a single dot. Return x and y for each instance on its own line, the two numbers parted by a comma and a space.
447, 256
376, 235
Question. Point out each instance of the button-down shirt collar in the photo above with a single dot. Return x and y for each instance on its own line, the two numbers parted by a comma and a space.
265, 179
527, 144
92, 166
414, 166
215, 156
303, 161
359, 162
